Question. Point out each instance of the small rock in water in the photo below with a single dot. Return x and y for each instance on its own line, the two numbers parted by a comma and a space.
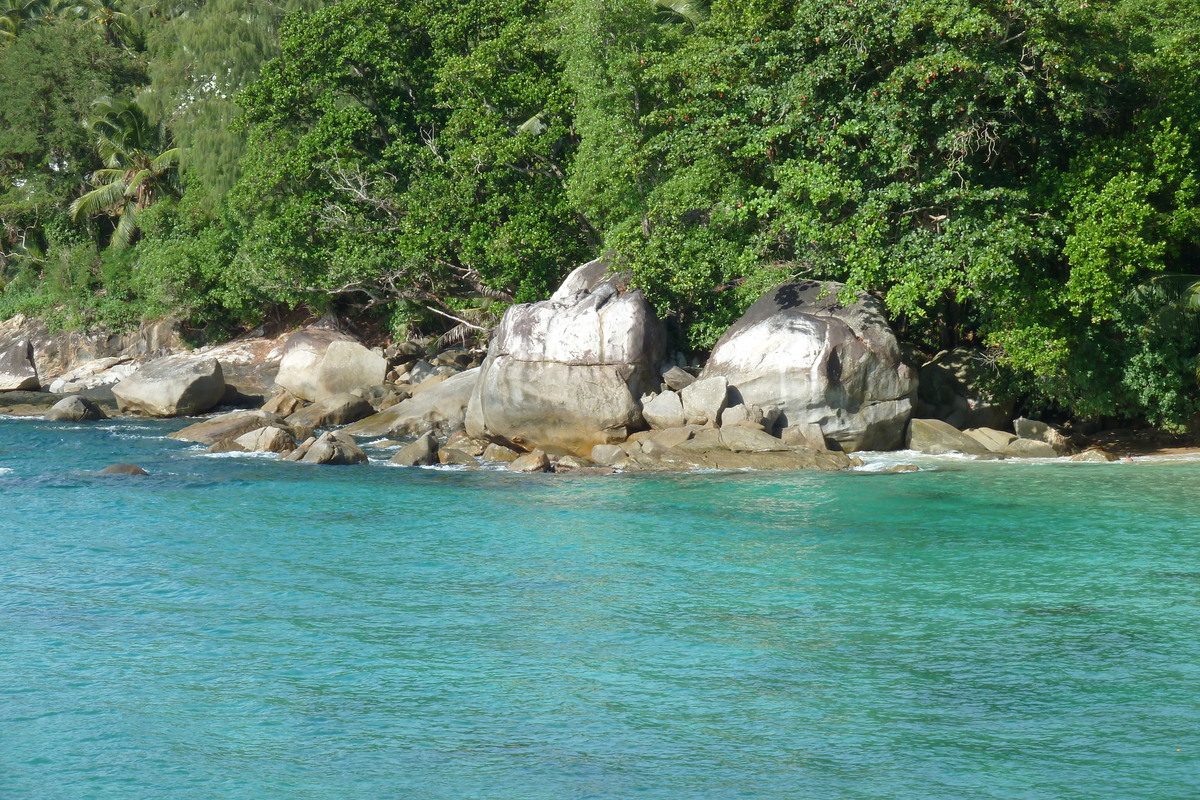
75, 409
123, 469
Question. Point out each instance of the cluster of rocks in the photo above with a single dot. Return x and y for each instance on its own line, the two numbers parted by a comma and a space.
581, 382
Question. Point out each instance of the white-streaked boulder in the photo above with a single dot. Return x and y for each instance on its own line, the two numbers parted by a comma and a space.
568, 372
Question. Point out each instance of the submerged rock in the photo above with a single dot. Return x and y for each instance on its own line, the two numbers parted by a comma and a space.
123, 469
75, 409
421, 453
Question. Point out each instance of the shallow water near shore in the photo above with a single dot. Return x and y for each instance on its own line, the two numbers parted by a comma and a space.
248, 629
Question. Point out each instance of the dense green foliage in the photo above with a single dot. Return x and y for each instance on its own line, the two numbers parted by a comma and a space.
1018, 176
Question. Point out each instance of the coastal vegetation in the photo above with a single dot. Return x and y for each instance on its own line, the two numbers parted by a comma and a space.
1020, 178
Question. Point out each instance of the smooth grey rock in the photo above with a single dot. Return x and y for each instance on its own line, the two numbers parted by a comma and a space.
608, 454
799, 349
806, 434
227, 426
664, 410
568, 371
441, 408
704, 400
226, 446
175, 386
300, 366
348, 366
741, 439
337, 409
677, 379
935, 437
17, 370
267, 440
75, 409
334, 448
421, 453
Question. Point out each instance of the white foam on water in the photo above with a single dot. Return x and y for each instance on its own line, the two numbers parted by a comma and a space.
5, 471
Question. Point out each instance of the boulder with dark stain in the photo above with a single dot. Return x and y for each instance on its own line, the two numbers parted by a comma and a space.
820, 362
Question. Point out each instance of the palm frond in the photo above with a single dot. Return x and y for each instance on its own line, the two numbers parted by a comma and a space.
98, 201
690, 10
123, 236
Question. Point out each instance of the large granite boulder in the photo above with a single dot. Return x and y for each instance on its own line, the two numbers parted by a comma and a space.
568, 372
300, 365
440, 409
935, 437
818, 361
176, 386
17, 372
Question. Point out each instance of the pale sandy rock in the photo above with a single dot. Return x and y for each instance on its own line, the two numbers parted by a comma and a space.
348, 366
935, 437
806, 434
283, 403
500, 454
267, 440
677, 379
704, 400
536, 461
454, 456
301, 358
1030, 448
337, 409
741, 439
421, 453
1094, 456
664, 410
608, 454
227, 426
992, 439
441, 408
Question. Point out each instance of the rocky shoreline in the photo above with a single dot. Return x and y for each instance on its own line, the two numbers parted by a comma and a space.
582, 382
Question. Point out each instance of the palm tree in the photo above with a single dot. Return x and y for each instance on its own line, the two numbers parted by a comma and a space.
139, 167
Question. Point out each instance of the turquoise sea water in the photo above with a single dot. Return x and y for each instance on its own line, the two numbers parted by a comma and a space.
241, 628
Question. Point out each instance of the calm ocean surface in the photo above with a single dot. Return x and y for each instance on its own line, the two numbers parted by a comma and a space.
244, 629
